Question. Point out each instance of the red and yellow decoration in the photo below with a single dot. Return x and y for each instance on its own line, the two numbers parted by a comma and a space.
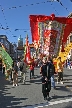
51, 30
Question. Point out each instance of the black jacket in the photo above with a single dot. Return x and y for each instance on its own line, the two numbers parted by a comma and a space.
45, 72
51, 68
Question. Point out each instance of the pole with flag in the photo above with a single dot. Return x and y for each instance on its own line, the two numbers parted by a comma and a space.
27, 55
24, 52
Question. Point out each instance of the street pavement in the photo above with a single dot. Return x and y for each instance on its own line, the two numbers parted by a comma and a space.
30, 94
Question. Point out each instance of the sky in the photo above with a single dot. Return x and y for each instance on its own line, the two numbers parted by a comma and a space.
18, 18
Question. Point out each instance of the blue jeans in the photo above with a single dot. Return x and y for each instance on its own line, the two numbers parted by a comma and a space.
52, 81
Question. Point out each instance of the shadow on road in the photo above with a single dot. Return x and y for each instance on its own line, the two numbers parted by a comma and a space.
56, 96
67, 75
8, 101
36, 81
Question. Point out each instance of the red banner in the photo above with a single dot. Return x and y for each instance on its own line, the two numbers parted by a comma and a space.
67, 22
50, 41
34, 30
34, 19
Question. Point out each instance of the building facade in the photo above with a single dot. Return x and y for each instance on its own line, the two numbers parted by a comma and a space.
20, 51
8, 46
5, 42
13, 50
20, 41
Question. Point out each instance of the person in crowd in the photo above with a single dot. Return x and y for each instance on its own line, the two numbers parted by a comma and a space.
66, 63
18, 64
52, 71
60, 71
40, 62
23, 70
8, 74
3, 69
15, 74
46, 82
71, 64
31, 71
33, 64
11, 74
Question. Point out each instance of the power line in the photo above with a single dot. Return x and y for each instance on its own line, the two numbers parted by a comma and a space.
71, 0
7, 27
0, 24
32, 4
62, 5
15, 7
16, 29
5, 20
3, 15
54, 8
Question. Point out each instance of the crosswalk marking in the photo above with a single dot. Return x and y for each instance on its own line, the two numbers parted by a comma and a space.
49, 103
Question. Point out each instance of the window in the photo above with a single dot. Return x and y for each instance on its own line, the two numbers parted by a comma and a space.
1, 40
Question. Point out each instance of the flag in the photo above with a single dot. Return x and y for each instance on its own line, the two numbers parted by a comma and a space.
28, 56
24, 52
27, 51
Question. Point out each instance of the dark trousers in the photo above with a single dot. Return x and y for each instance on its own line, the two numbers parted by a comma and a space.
0, 69
46, 89
60, 76
45, 92
31, 73
11, 76
3, 70
66, 65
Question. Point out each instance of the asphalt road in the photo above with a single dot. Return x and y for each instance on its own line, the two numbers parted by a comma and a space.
30, 95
